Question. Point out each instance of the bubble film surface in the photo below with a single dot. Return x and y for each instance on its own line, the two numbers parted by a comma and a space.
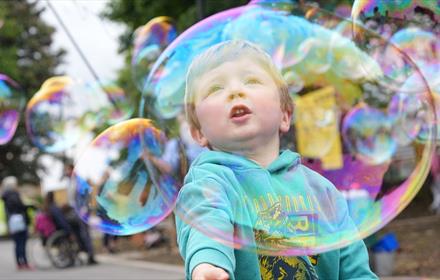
410, 28
119, 188
410, 10
350, 100
109, 103
367, 132
149, 41
56, 114
428, 80
12, 101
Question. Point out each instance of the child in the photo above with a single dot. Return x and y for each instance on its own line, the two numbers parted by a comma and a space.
237, 105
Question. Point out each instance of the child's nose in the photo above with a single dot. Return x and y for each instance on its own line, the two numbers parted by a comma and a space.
236, 91
236, 94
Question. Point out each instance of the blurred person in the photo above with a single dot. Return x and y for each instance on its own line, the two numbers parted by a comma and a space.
110, 242
18, 220
178, 155
158, 235
56, 214
67, 173
181, 151
80, 228
376, 14
362, 16
44, 224
65, 218
81, 232
435, 185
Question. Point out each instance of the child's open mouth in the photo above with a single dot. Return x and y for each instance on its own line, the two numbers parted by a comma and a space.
239, 113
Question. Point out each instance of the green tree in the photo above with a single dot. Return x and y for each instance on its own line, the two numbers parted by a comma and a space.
28, 58
185, 13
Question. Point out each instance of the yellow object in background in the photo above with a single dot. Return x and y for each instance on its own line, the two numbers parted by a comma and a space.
3, 225
317, 127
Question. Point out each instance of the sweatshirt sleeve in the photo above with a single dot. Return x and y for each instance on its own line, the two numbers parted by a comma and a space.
354, 262
203, 209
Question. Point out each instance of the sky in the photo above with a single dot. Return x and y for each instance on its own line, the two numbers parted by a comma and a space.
97, 38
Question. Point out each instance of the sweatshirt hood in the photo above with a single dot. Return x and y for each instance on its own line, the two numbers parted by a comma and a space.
286, 160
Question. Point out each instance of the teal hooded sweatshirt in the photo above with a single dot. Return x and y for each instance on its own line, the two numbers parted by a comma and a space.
228, 202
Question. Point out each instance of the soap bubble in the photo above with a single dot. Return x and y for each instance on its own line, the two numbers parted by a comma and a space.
149, 42
109, 103
412, 11
12, 101
406, 112
367, 132
56, 115
409, 30
416, 113
421, 46
118, 189
345, 91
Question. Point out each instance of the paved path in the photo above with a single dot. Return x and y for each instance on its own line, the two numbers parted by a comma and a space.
109, 268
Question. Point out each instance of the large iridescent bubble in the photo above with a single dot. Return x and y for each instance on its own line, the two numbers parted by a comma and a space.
347, 107
12, 101
56, 114
119, 188
149, 42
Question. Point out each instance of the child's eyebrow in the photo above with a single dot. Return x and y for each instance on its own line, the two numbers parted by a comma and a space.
249, 72
254, 71
213, 79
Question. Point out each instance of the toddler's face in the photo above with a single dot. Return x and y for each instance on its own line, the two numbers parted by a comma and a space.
238, 107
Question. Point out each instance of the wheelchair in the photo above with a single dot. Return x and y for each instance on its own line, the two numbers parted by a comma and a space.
63, 250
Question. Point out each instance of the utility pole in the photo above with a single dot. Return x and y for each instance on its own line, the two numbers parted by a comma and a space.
200, 9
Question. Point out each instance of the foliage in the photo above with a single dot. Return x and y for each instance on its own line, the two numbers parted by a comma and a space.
28, 58
185, 13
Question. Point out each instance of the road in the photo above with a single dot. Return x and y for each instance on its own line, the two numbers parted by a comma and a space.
109, 268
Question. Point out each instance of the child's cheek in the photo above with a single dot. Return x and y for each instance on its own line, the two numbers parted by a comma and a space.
207, 109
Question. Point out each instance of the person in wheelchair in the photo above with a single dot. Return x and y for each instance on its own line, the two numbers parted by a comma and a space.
66, 219
44, 225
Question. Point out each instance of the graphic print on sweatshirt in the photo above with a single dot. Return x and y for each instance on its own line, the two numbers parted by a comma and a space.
281, 229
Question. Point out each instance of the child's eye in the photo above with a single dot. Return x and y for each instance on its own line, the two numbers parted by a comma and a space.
252, 81
214, 89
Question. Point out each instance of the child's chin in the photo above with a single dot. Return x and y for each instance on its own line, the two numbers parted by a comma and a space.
246, 143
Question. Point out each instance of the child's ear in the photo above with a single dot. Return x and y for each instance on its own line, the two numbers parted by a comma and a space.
198, 136
285, 121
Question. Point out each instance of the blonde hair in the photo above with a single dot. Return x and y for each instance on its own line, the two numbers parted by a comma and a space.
224, 52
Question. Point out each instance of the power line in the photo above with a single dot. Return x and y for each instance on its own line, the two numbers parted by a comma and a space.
78, 49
